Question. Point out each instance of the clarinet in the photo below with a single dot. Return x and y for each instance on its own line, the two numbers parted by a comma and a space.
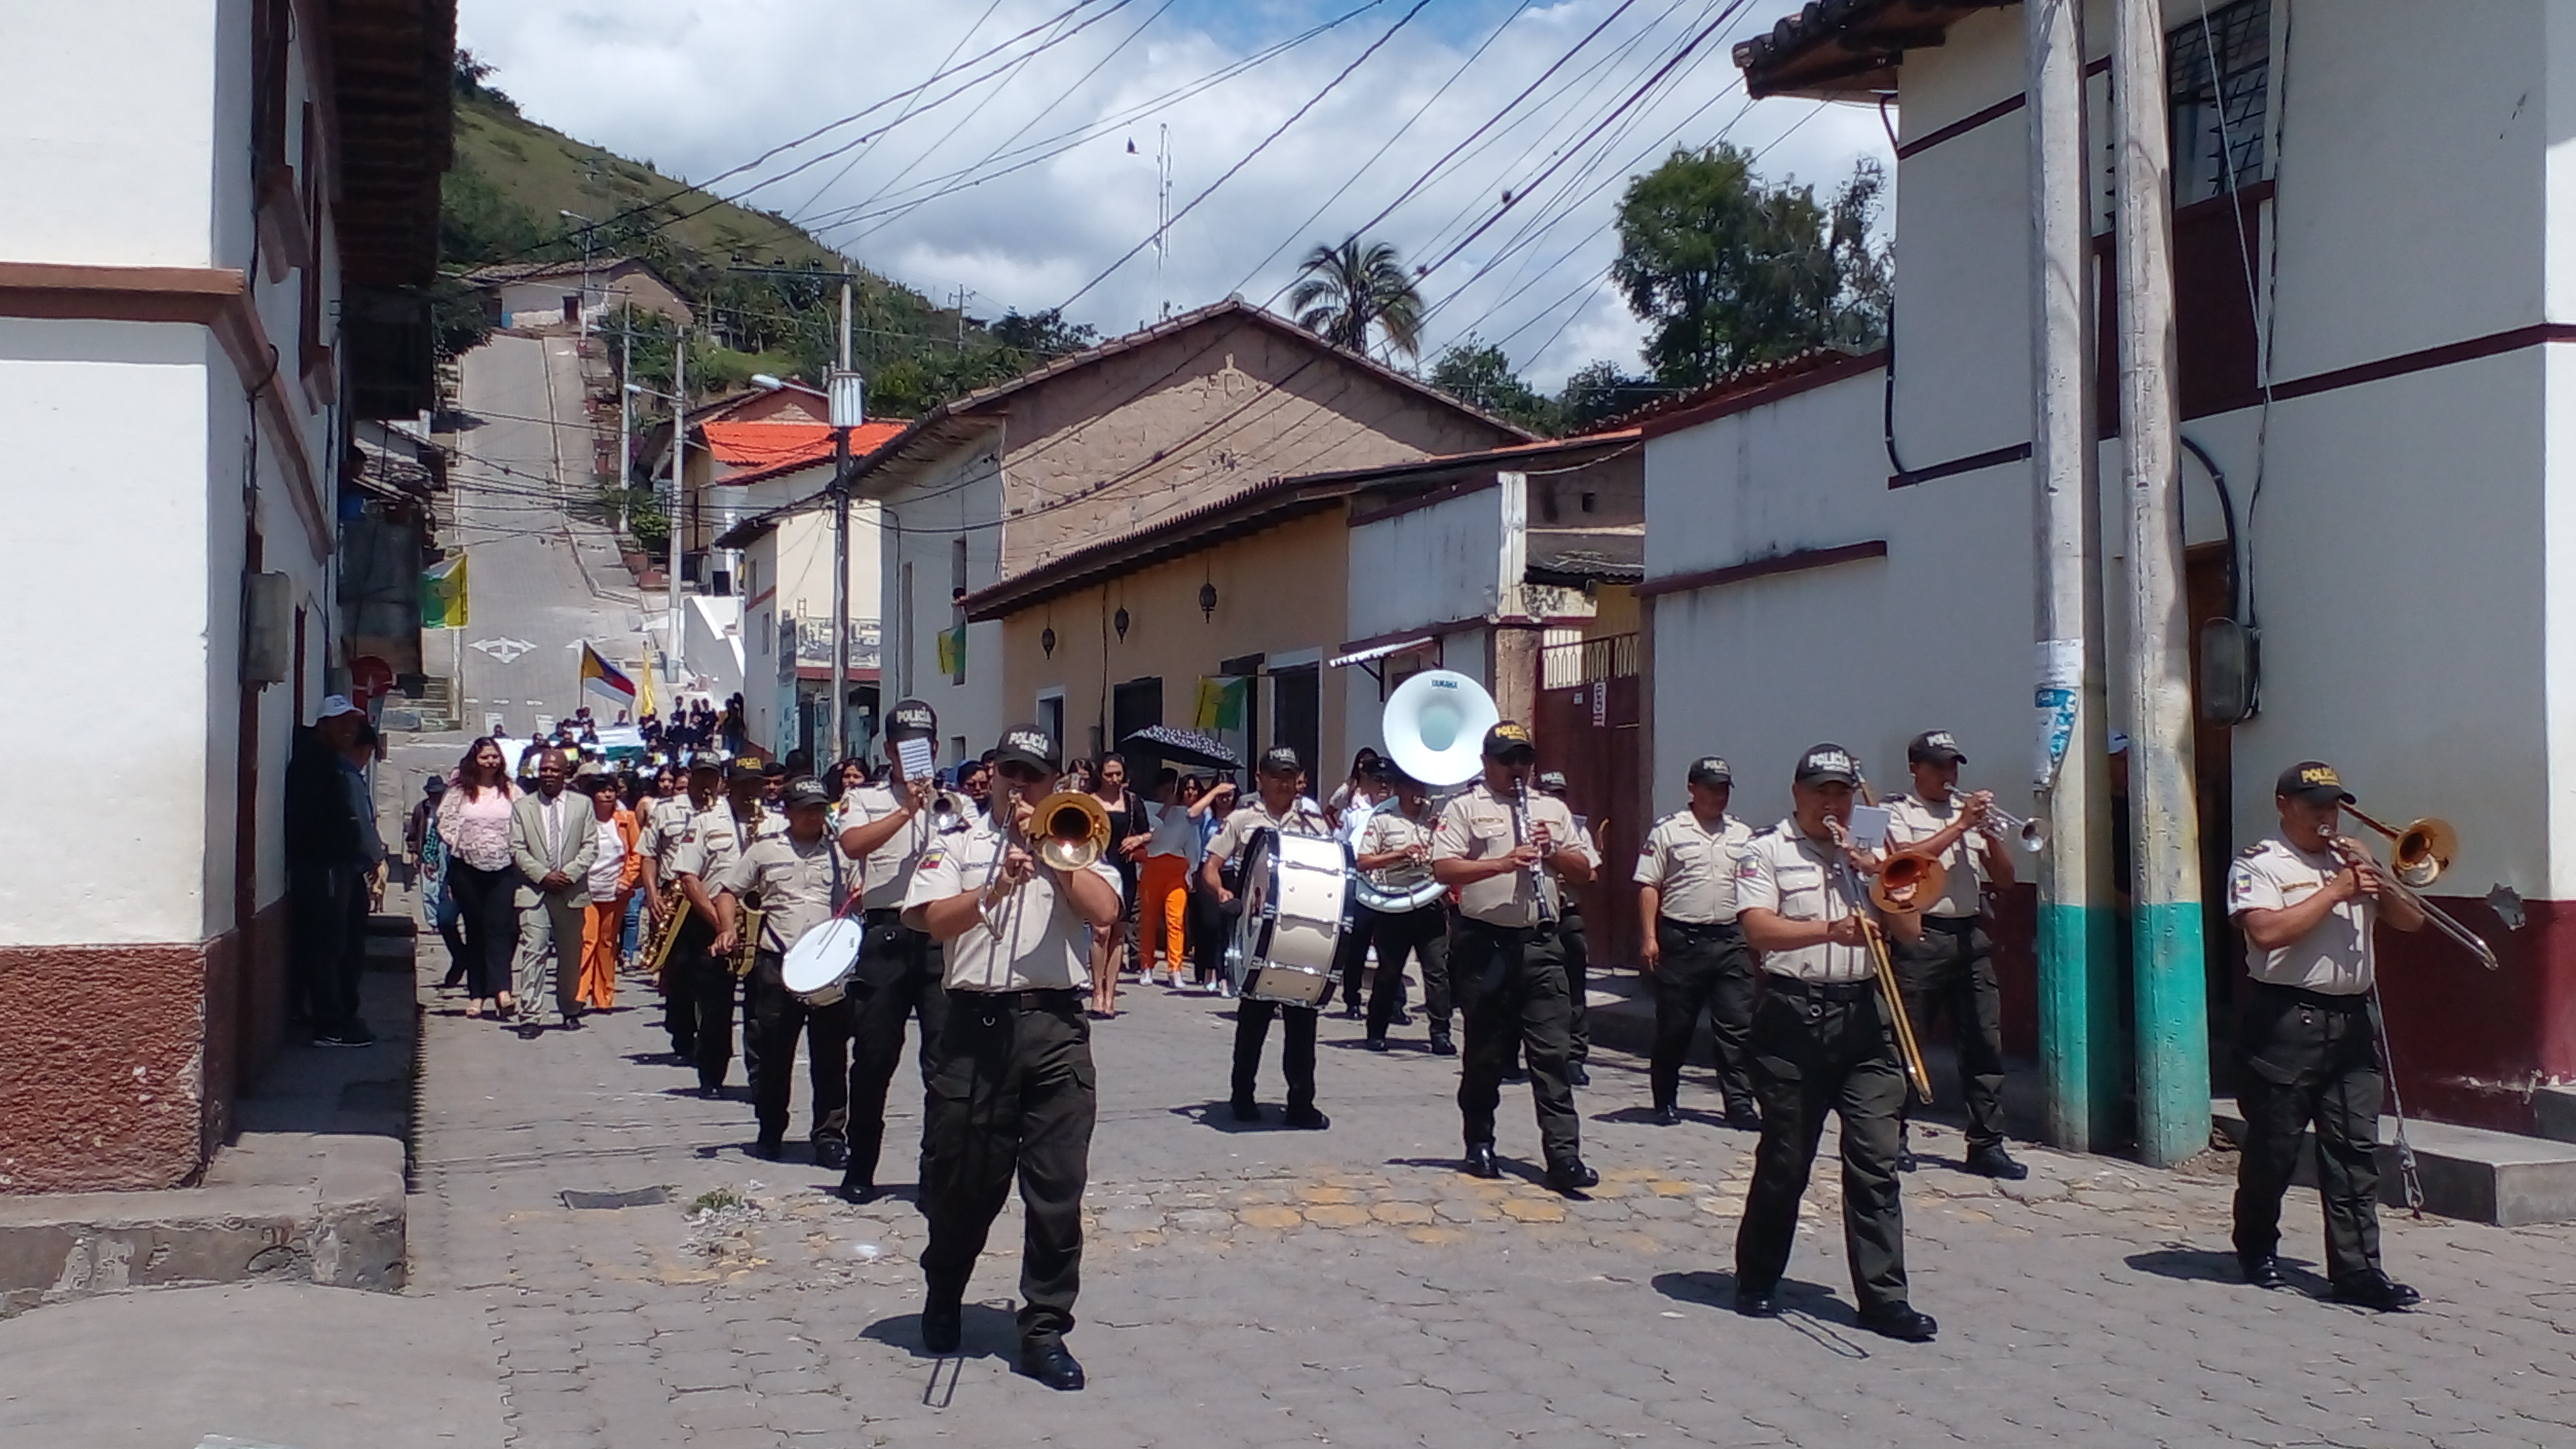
1520, 836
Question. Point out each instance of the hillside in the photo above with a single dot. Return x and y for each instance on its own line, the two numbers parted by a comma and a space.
514, 178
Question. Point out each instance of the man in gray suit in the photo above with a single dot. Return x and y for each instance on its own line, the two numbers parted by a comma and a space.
553, 836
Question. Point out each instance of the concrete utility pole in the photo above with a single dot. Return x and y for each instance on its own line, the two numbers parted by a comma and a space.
625, 416
2079, 1026
846, 413
2172, 989
679, 496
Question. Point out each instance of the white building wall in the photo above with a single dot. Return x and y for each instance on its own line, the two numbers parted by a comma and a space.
121, 672
1429, 566
106, 139
920, 526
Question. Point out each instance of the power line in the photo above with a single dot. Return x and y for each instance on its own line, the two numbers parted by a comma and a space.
1264, 144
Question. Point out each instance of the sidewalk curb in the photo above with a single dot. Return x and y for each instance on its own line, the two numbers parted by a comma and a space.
342, 1229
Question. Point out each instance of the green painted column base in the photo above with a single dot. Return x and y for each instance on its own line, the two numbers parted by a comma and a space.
2081, 1061
2173, 1031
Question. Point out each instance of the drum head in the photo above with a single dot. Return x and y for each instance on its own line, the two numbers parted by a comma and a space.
823, 955
1256, 877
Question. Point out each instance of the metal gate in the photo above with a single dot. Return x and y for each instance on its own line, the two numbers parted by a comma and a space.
1589, 711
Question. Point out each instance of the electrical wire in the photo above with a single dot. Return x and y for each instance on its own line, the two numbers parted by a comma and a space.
1263, 145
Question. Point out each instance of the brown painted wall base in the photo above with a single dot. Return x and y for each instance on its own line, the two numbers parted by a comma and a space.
2470, 1044
119, 1064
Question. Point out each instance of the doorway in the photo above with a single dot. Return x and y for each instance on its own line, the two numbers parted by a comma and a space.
1297, 716
1136, 705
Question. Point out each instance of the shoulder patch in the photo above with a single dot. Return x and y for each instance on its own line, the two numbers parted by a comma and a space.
2251, 851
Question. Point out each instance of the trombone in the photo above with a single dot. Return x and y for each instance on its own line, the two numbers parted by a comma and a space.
1917, 879
2418, 853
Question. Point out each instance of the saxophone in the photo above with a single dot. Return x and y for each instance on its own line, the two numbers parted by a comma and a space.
748, 920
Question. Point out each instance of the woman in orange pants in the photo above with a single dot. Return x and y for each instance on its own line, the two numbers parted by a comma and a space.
1163, 887
613, 873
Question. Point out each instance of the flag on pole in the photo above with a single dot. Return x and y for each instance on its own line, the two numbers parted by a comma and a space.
1220, 702
442, 595
605, 678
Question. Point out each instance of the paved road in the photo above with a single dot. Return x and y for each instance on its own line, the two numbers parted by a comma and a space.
532, 600
1267, 1287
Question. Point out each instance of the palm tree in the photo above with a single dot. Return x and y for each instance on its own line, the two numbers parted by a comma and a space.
1341, 291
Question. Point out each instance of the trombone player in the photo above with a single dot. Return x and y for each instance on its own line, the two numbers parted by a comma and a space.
1822, 1042
2307, 898
1014, 1092
1951, 964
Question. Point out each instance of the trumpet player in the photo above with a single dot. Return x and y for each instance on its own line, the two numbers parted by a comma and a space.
1951, 966
1822, 1043
2306, 898
889, 827
1278, 806
1508, 850
1014, 1091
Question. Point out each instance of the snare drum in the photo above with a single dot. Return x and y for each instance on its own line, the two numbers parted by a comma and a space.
818, 968
1296, 901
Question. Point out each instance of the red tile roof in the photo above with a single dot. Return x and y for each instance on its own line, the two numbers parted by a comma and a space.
767, 446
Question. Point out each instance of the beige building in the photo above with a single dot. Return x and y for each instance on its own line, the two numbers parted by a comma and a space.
984, 492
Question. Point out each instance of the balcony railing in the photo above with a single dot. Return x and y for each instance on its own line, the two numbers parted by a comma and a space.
1581, 661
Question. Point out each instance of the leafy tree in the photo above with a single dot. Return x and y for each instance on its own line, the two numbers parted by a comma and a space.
1730, 271
1599, 392
456, 311
1478, 372
1343, 291
478, 222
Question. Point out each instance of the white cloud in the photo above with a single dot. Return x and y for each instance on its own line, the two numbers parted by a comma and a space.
700, 88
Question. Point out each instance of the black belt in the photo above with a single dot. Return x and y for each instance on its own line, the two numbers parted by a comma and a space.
1696, 928
2322, 1000
1035, 998
1819, 990
882, 915
1952, 925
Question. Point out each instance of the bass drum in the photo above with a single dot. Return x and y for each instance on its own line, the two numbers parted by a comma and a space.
1295, 896
817, 970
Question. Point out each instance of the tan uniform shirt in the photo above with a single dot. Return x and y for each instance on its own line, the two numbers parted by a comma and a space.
1692, 867
1037, 940
666, 828
716, 840
2334, 958
1476, 824
1912, 820
1303, 818
799, 885
889, 867
1389, 828
1804, 880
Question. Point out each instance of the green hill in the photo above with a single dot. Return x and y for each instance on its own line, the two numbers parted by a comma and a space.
504, 199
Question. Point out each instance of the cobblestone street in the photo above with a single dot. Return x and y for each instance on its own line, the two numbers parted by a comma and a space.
1263, 1286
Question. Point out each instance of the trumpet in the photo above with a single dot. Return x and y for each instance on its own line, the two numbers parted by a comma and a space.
1919, 871
2418, 853
2028, 833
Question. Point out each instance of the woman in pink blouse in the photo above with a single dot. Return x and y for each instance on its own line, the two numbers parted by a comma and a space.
474, 820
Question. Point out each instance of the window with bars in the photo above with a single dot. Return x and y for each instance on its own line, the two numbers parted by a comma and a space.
2218, 80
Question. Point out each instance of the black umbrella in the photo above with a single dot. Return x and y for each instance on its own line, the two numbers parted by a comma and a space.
1171, 742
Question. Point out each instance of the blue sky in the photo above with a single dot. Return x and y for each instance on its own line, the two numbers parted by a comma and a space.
701, 88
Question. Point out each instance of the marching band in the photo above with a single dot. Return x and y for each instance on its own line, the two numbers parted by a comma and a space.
1815, 948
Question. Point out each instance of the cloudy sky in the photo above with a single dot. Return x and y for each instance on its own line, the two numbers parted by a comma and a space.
1011, 173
